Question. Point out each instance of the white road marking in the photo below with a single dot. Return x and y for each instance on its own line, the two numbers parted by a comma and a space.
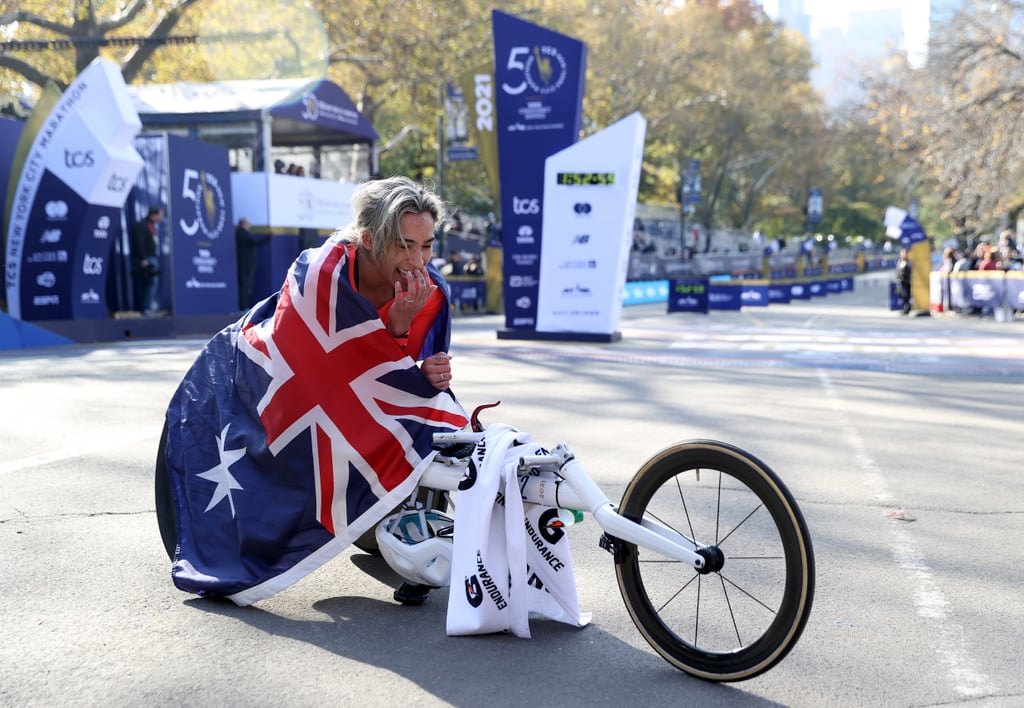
932, 605
69, 453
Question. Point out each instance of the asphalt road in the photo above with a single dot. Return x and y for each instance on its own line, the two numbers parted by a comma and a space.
861, 411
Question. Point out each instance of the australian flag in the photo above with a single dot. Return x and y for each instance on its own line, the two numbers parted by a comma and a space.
297, 429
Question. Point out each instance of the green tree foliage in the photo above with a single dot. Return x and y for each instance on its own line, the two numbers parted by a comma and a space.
957, 120
63, 38
716, 80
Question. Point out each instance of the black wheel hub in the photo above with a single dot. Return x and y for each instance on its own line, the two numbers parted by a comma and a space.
713, 557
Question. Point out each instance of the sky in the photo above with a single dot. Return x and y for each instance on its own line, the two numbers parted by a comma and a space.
834, 13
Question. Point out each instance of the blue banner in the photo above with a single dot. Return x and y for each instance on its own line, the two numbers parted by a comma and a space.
688, 295
46, 266
639, 292
10, 133
725, 296
1014, 294
799, 291
815, 206
325, 104
204, 270
779, 293
984, 290
895, 299
539, 77
755, 294
691, 183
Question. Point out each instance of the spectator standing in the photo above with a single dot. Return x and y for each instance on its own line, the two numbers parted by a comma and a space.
246, 245
903, 276
146, 260
988, 258
945, 268
455, 264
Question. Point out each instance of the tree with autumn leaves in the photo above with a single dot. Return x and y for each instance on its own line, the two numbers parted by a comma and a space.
717, 80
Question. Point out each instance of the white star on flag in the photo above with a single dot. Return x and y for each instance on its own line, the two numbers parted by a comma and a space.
221, 474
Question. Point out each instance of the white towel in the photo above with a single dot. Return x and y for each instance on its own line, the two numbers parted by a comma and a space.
508, 558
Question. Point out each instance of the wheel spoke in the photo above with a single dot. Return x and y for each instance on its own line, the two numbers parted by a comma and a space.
718, 509
671, 527
732, 615
727, 580
742, 521
678, 592
686, 512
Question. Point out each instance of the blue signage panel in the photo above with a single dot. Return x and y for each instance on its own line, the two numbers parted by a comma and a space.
815, 206
97, 233
725, 296
1014, 295
49, 251
66, 257
204, 270
691, 183
984, 291
799, 290
754, 294
10, 132
645, 291
688, 295
461, 153
538, 77
779, 293
325, 104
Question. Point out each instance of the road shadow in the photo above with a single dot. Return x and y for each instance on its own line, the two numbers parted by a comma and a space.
588, 664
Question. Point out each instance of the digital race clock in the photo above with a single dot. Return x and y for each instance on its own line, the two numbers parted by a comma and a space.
573, 179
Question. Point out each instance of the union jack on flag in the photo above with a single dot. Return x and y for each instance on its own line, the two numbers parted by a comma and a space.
297, 429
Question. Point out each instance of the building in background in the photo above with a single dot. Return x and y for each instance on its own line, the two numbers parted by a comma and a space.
791, 13
847, 52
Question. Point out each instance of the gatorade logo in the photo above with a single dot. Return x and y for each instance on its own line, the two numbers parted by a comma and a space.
474, 595
468, 479
551, 527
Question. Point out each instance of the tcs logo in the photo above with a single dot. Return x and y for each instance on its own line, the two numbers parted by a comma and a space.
524, 206
79, 158
92, 265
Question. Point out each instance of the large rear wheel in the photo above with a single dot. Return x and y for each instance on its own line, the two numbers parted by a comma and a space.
743, 612
166, 514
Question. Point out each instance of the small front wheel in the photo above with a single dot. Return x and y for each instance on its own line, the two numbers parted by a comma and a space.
740, 615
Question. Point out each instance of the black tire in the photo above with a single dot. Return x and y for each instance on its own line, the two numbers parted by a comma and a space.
166, 513
740, 620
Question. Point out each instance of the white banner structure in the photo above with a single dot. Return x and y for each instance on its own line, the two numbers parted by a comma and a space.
275, 200
84, 148
590, 192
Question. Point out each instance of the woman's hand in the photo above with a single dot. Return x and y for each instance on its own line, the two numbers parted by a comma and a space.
438, 370
411, 294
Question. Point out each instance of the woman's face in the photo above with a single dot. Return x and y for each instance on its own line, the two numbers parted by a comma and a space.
413, 252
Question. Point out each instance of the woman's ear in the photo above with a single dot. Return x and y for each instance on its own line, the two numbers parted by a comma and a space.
366, 241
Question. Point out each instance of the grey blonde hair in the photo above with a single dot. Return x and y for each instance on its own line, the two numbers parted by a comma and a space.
379, 206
